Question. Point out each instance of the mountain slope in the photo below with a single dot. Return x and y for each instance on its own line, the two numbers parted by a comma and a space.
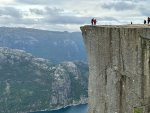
28, 83
53, 45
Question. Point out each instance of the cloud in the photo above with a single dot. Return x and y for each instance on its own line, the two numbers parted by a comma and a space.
11, 15
54, 10
33, 2
46, 11
6, 21
75, 20
119, 5
50, 2
6, 1
36, 11
10, 11
59, 19
65, 14
144, 11
45, 16
109, 19
58, 16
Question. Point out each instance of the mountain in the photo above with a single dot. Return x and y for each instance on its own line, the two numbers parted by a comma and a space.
28, 83
53, 45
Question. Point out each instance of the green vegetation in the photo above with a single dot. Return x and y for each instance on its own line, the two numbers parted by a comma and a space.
138, 110
31, 84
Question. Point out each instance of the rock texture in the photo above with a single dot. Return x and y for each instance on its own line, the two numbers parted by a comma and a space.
119, 62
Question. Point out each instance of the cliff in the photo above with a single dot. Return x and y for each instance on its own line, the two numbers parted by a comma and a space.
119, 63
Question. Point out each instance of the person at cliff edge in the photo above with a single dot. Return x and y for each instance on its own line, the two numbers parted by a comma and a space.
94, 21
148, 20
144, 21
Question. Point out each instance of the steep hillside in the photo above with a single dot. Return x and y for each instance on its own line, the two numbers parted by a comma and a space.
53, 45
28, 83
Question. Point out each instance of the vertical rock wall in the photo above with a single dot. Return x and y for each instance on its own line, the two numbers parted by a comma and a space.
119, 80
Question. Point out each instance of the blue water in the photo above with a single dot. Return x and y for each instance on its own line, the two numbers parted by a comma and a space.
71, 109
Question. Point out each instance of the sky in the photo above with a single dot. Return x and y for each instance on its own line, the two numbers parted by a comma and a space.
69, 15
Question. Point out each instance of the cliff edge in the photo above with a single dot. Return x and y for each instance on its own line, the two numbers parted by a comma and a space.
119, 64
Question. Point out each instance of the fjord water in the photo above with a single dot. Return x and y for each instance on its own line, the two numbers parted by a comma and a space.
70, 109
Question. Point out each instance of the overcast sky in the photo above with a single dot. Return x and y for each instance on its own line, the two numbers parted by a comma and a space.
69, 15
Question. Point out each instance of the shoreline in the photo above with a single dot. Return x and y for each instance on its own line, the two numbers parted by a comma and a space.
69, 106
62, 107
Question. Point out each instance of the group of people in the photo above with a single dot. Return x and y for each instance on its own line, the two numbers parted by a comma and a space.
93, 21
148, 20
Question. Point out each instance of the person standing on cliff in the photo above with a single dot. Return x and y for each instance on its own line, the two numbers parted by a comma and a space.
92, 21
144, 21
148, 20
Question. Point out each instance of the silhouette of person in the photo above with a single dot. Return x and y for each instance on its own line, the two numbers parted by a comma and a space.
148, 20
144, 21
94, 21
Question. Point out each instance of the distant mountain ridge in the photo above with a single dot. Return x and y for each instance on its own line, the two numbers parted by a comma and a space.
28, 83
53, 45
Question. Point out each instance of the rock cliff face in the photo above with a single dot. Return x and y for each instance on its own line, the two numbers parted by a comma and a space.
119, 62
